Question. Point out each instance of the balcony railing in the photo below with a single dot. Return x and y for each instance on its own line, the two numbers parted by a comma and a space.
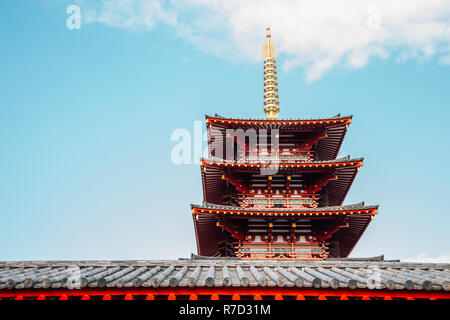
284, 156
303, 201
281, 251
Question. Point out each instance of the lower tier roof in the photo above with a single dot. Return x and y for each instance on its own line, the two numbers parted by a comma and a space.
356, 208
357, 217
340, 274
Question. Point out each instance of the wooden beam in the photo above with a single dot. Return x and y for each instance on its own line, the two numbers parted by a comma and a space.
269, 231
319, 135
330, 231
239, 186
317, 186
269, 183
237, 234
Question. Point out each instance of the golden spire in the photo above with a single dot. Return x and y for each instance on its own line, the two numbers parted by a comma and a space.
271, 103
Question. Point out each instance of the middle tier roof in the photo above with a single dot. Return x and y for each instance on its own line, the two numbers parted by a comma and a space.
216, 177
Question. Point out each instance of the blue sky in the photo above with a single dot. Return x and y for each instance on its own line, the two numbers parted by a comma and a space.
86, 118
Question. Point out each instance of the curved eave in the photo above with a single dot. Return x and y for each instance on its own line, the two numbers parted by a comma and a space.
248, 121
328, 147
349, 237
207, 234
339, 163
324, 211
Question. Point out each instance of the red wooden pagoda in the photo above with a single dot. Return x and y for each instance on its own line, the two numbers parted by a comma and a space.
274, 189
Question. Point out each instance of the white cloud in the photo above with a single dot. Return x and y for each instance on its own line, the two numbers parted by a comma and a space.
445, 60
423, 257
315, 35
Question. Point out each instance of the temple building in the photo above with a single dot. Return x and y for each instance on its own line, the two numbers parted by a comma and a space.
273, 226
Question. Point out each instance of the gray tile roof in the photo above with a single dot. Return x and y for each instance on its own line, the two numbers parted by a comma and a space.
343, 273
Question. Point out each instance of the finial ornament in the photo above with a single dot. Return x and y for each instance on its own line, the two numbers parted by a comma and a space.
271, 102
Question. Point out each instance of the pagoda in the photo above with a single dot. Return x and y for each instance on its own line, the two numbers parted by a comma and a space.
274, 188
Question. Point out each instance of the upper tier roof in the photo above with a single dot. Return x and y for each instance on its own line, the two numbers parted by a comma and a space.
327, 148
333, 119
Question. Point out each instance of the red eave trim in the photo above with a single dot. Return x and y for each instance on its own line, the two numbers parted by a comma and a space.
355, 163
281, 213
261, 291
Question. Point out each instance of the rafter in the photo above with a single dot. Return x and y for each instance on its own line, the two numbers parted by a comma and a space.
317, 186
238, 185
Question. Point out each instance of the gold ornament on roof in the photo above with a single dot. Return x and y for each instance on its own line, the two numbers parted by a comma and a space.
271, 102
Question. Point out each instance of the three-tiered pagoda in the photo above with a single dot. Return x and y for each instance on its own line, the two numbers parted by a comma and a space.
274, 189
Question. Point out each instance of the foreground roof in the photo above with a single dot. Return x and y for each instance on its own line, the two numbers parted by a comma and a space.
335, 274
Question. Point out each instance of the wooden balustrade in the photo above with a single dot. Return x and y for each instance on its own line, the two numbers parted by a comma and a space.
286, 157
273, 251
278, 201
